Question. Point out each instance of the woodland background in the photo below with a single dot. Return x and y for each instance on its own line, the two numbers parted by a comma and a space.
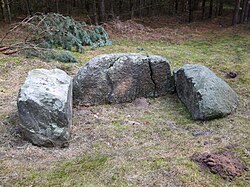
99, 11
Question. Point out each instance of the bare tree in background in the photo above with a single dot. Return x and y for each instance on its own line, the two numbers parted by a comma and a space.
236, 12
221, 5
111, 10
28, 7
190, 7
101, 5
99, 11
211, 8
203, 8
95, 12
247, 11
3, 9
132, 7
243, 13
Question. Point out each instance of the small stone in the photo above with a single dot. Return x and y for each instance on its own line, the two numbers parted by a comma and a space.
205, 143
141, 103
232, 75
201, 133
211, 164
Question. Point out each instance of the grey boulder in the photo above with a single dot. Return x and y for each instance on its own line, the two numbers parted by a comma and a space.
205, 95
118, 78
45, 107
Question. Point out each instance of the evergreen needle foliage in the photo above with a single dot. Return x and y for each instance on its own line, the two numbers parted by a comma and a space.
55, 31
49, 54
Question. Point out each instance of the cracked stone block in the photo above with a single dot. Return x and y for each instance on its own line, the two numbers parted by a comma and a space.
45, 107
122, 77
205, 95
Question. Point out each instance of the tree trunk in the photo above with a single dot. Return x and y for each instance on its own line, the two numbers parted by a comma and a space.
74, 3
95, 12
247, 11
28, 8
217, 8
244, 7
45, 7
195, 4
184, 6
111, 15
190, 5
120, 7
203, 8
87, 5
132, 7
151, 8
176, 6
3, 9
211, 8
140, 8
57, 6
221, 7
68, 4
236, 12
8, 10
101, 5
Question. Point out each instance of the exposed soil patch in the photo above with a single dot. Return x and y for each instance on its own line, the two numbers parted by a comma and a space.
225, 164
141, 103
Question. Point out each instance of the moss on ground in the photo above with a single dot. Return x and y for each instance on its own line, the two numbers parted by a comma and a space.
129, 146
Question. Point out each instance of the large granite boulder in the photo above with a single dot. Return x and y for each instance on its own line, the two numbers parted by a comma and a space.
205, 95
45, 107
118, 78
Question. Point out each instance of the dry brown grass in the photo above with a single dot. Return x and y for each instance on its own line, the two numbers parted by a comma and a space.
172, 29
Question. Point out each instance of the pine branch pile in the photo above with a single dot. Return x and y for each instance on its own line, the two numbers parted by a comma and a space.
54, 36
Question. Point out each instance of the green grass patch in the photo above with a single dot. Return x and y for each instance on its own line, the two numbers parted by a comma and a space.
76, 172
8, 59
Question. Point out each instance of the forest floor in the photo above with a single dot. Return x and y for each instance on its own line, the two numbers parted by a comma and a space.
150, 142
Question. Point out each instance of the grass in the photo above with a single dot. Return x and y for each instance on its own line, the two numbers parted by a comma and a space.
76, 172
125, 145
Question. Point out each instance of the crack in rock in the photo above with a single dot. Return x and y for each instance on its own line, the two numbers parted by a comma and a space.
111, 85
152, 74
122, 77
112, 63
109, 80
